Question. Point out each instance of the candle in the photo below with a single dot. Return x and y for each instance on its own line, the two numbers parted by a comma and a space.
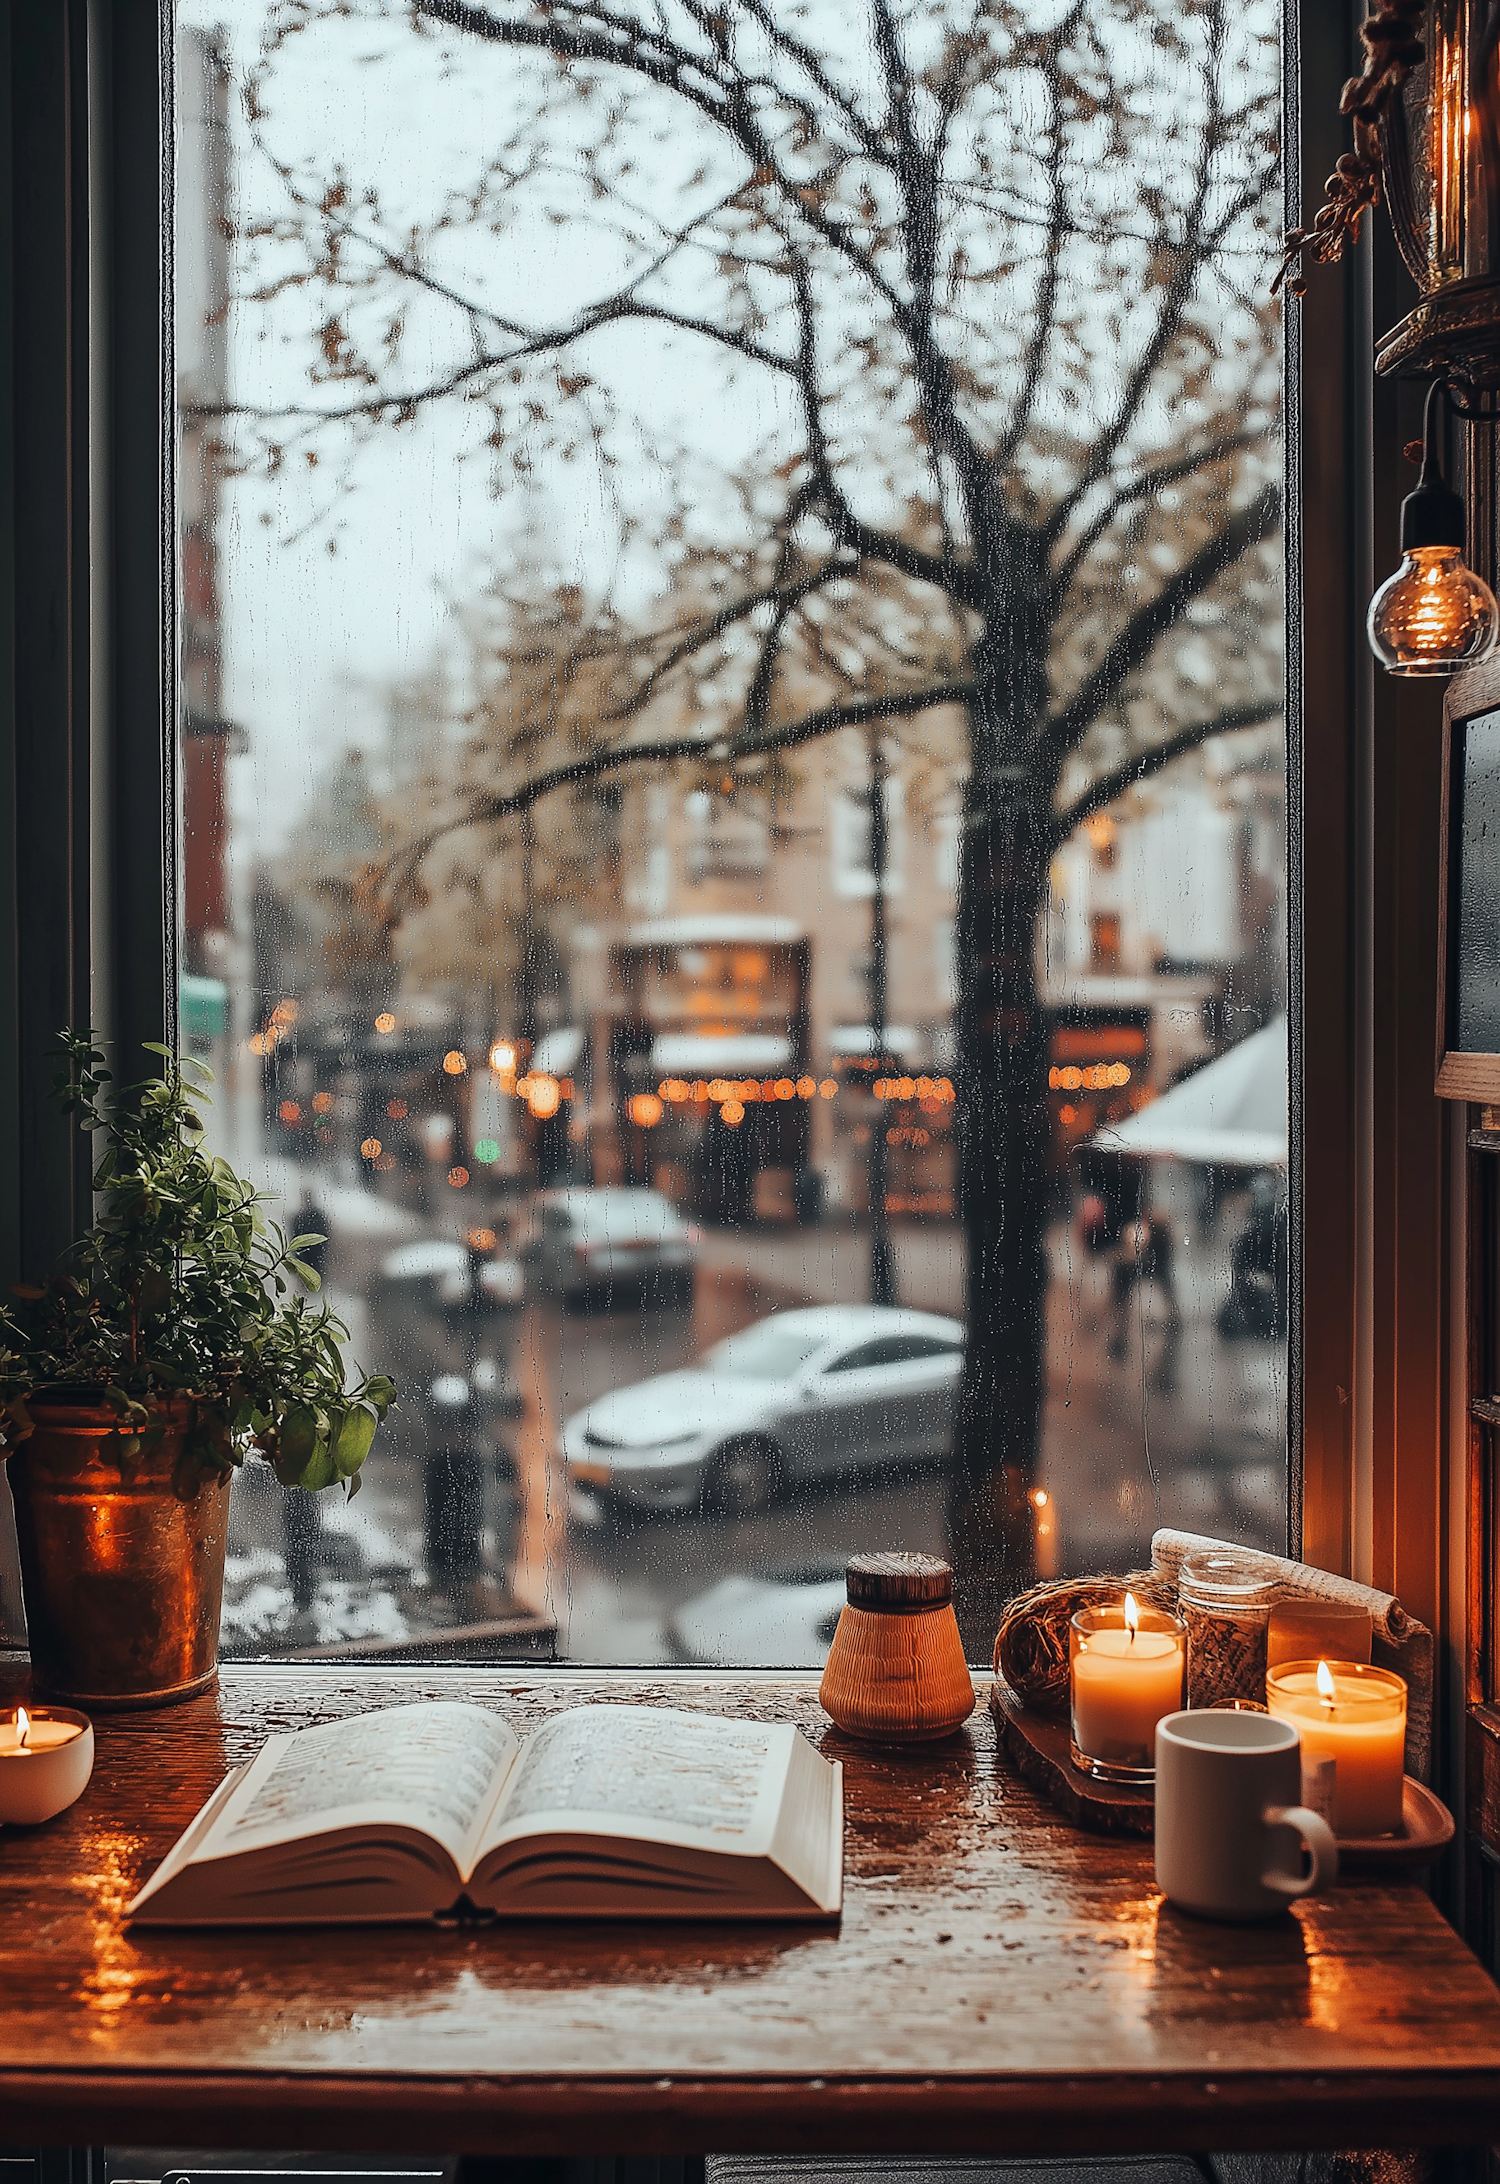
1352, 1723
46, 1758
1126, 1665
1307, 1629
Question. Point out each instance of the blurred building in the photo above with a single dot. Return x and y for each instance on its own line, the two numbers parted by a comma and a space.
201, 278
735, 1062
732, 1044
1165, 939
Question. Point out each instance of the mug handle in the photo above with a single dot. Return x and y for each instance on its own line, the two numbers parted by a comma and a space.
1318, 1839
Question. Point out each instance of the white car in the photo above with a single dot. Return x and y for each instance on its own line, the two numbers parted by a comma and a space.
772, 1619
831, 1388
585, 1239
449, 1268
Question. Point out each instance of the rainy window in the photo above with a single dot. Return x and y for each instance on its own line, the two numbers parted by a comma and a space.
733, 792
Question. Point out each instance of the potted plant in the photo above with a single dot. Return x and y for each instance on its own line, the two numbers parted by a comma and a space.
173, 1341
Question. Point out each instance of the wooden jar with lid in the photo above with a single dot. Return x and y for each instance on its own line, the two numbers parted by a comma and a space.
896, 1671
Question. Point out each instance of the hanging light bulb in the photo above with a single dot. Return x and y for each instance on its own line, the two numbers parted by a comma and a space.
1434, 615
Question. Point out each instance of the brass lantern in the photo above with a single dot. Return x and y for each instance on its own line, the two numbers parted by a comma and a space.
1426, 116
1441, 160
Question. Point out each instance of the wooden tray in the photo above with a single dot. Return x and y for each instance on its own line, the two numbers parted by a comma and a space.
1426, 1831
1037, 1747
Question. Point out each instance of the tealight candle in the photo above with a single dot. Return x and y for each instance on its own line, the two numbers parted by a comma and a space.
1352, 1722
46, 1758
1126, 1667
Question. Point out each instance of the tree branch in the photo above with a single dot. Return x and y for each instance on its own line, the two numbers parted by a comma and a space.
1143, 764
1141, 488
1190, 255
723, 750
615, 40
1045, 315
959, 579
781, 598
811, 64
1140, 634
589, 321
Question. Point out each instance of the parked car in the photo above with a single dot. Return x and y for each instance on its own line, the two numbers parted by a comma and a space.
763, 1619
584, 1240
832, 1388
452, 1274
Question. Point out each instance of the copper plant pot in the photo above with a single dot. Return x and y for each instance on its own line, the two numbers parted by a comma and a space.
122, 1581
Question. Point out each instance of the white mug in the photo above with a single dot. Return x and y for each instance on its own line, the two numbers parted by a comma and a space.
1229, 1829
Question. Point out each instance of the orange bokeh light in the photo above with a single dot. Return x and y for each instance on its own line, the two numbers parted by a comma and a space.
454, 1063
543, 1096
458, 1177
371, 1148
289, 1111
385, 1022
396, 1109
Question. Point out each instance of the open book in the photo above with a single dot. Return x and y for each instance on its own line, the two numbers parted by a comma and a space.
417, 1812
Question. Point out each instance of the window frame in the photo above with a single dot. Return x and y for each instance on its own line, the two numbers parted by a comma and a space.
88, 592
90, 794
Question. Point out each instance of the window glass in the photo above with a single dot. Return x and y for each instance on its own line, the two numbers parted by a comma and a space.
777, 1349
892, 1350
732, 672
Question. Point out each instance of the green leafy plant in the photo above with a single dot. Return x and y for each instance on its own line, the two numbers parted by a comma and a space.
182, 1290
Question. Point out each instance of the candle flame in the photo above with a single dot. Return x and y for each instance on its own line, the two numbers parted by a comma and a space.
23, 1728
1132, 1615
1325, 1683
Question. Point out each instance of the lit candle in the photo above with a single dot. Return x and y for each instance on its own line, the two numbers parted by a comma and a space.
46, 1758
1127, 1665
1351, 1720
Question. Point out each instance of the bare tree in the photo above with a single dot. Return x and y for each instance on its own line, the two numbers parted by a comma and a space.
998, 272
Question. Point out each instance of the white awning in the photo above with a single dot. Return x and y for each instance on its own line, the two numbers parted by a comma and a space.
741, 1053
724, 925
556, 1052
1232, 1113
860, 1039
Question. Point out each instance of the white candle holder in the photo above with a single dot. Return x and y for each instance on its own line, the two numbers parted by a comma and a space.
1126, 1668
42, 1773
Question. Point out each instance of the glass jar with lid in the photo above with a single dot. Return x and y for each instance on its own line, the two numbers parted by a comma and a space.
1225, 1603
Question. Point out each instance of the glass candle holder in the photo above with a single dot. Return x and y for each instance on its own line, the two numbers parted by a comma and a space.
1226, 1608
1306, 1629
1351, 1719
1125, 1673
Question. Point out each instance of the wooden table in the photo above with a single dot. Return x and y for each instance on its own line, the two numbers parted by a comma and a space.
999, 1983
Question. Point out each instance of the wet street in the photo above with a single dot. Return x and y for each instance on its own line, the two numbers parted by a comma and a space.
1185, 1427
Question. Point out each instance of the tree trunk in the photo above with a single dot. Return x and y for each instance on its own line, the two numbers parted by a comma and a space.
882, 1267
1004, 1126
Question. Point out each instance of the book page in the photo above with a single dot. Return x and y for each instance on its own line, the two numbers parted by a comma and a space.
649, 1772
437, 1767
